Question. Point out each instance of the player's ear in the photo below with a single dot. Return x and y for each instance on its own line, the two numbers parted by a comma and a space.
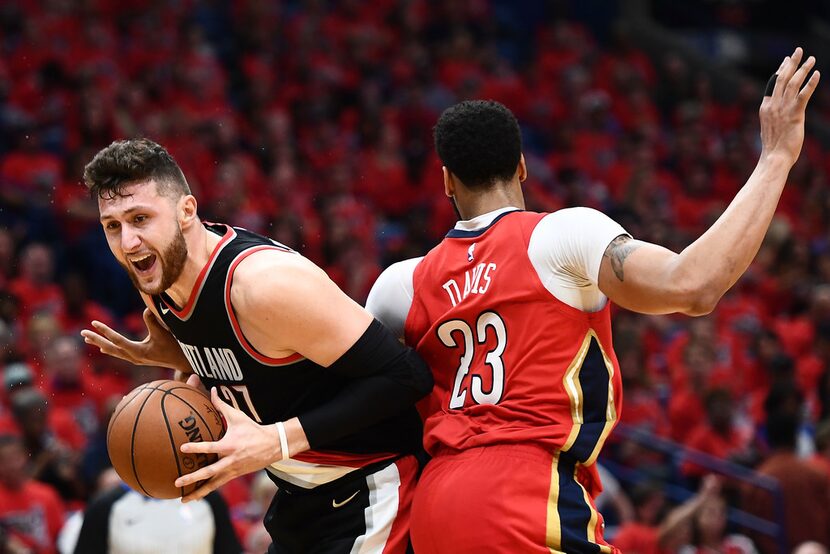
187, 211
522, 169
449, 182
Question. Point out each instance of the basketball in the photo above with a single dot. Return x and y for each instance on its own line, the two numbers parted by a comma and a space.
146, 432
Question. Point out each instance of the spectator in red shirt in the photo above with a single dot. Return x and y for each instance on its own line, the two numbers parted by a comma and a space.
641, 535
30, 512
53, 462
686, 404
79, 309
717, 436
71, 385
34, 286
805, 491
18, 377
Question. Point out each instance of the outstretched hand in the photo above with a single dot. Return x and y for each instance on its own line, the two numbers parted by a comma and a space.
159, 348
246, 447
782, 113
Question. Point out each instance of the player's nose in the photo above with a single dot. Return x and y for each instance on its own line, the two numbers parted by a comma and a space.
130, 240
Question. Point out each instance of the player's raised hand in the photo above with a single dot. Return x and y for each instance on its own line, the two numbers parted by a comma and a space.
246, 447
159, 348
782, 113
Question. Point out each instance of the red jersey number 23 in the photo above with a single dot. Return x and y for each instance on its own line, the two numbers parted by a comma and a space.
449, 331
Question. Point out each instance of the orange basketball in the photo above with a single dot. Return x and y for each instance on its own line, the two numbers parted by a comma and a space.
147, 428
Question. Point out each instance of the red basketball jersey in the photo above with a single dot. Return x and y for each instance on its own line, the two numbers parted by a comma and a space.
512, 363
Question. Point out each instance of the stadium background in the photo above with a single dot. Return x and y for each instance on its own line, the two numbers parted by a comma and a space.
311, 122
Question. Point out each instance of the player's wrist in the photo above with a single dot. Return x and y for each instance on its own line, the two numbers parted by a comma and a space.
274, 452
776, 159
297, 440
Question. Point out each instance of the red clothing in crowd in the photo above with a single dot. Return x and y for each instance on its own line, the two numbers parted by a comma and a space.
33, 514
704, 438
36, 297
822, 463
636, 538
59, 421
805, 492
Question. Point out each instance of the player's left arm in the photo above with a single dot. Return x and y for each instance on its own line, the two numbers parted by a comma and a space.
287, 305
648, 278
301, 310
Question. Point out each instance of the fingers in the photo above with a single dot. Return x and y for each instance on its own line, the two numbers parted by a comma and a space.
206, 488
790, 81
194, 381
116, 338
103, 345
227, 411
205, 447
785, 72
798, 77
807, 91
203, 474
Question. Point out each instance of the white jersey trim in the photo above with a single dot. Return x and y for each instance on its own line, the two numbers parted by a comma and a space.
565, 249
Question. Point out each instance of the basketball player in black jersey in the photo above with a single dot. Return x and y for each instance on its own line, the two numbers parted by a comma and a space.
312, 387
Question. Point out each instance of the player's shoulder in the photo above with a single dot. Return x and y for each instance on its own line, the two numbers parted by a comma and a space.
578, 216
275, 274
394, 280
399, 271
273, 265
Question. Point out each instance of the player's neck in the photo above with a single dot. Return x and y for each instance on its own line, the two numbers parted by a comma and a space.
200, 246
471, 205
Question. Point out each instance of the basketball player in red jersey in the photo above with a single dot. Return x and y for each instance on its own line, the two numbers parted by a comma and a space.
313, 388
511, 312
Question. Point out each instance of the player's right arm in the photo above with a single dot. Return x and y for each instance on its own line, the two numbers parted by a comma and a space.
648, 278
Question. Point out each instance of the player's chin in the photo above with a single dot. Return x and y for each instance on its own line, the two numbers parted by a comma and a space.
150, 286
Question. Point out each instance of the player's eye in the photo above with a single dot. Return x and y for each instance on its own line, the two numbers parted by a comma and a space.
139, 219
112, 226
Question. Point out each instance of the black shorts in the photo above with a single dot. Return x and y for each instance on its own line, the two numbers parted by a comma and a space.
364, 515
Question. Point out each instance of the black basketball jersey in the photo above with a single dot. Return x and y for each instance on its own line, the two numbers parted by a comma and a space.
271, 389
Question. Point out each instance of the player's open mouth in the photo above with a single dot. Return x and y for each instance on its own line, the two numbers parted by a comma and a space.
145, 263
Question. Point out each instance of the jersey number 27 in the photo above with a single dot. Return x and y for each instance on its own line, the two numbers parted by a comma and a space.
447, 333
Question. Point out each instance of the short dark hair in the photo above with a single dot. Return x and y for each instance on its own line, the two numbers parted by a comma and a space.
479, 141
128, 161
782, 430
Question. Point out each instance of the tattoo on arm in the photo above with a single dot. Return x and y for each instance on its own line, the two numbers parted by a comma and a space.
618, 251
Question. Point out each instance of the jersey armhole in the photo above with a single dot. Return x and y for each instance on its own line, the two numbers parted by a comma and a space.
237, 330
559, 304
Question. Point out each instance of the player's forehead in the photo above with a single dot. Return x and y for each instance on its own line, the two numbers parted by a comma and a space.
138, 195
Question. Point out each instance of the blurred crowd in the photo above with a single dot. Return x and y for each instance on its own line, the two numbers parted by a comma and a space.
311, 122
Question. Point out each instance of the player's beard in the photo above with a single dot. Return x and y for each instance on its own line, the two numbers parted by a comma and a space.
171, 260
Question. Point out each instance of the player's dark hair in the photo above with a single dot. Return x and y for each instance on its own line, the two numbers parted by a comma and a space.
125, 162
479, 141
